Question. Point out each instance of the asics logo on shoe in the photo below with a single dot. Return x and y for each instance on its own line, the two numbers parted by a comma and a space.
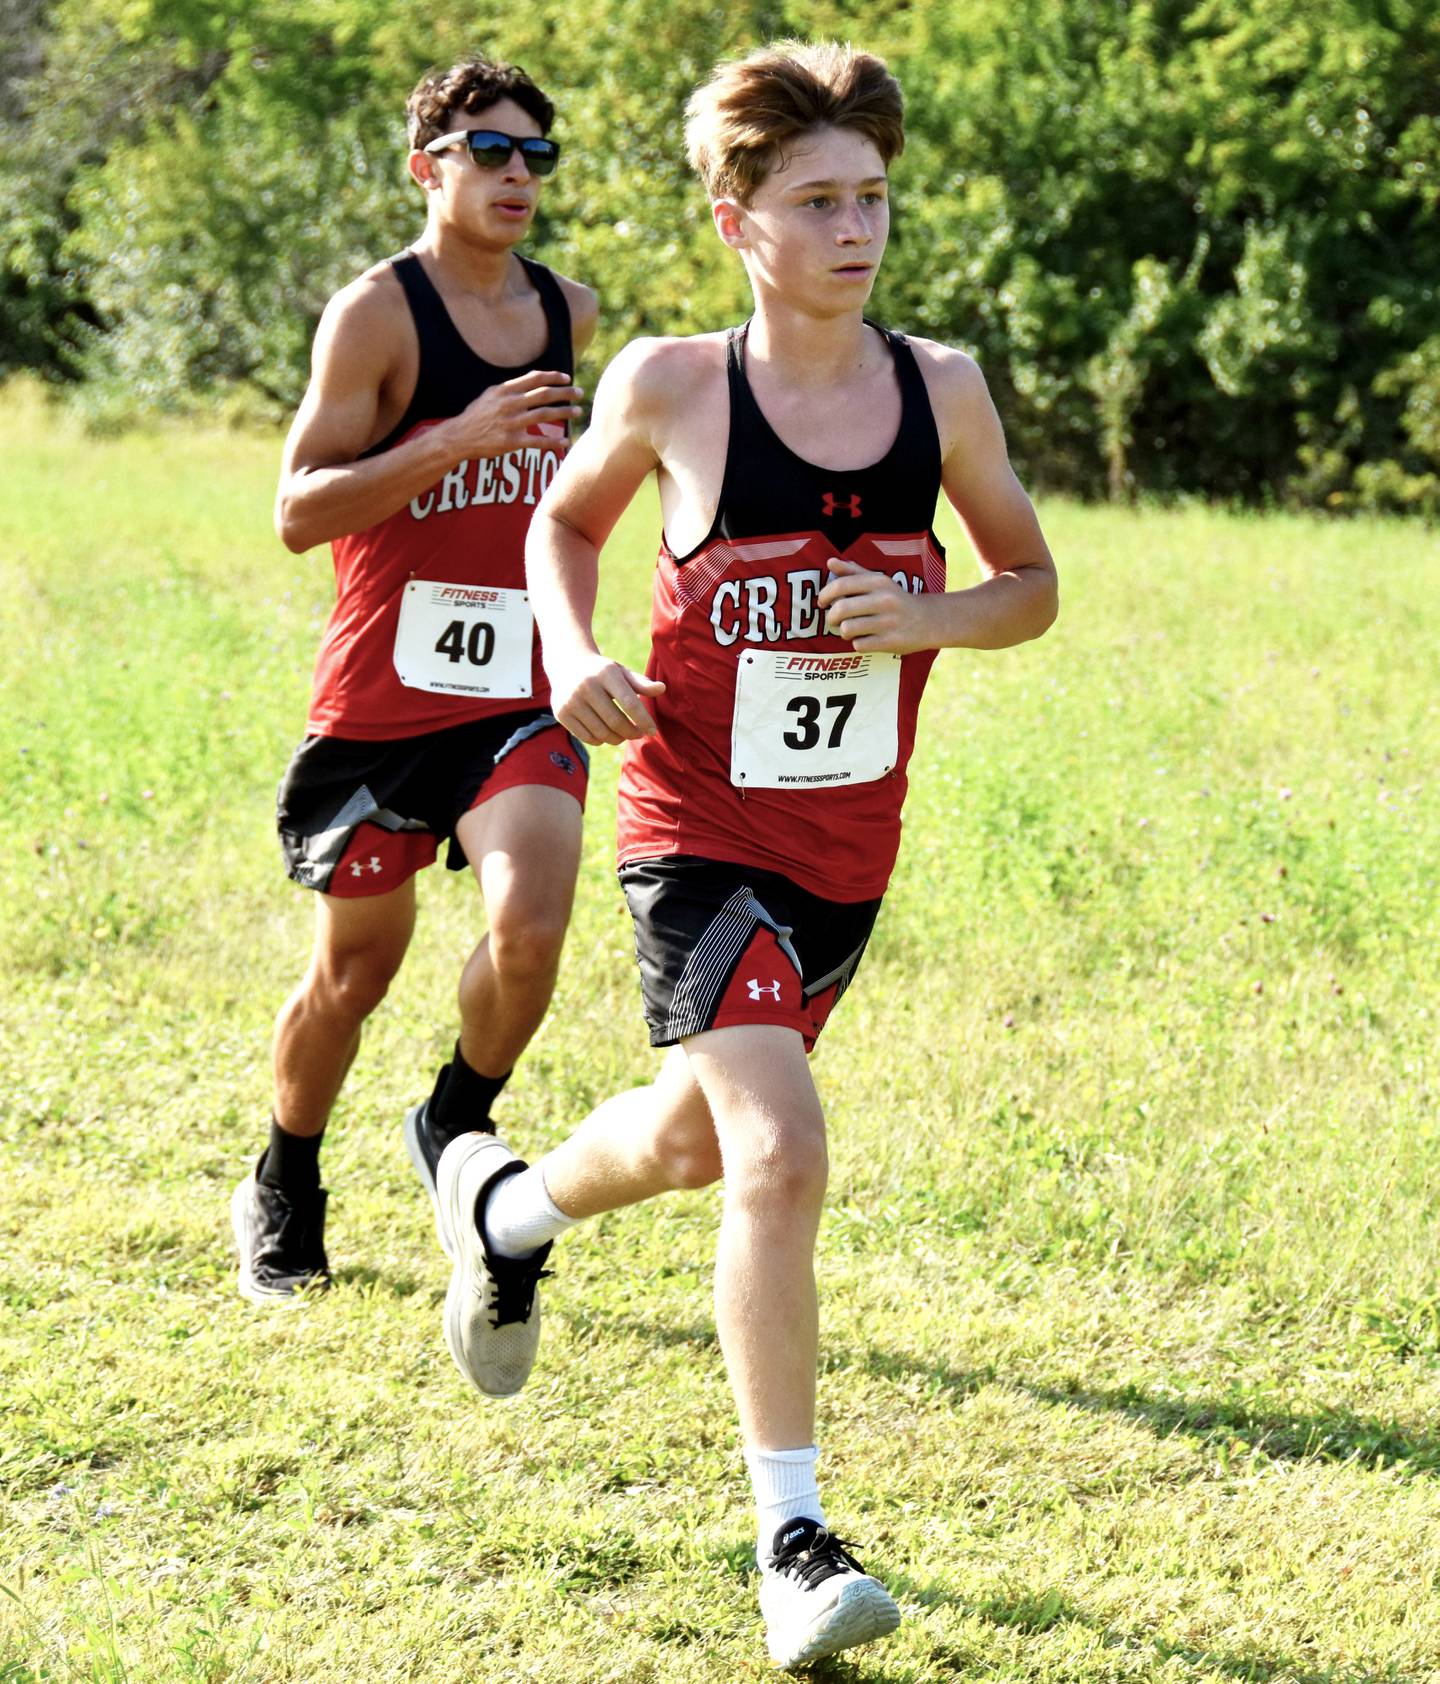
769, 989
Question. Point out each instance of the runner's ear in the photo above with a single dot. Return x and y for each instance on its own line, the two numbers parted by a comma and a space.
729, 223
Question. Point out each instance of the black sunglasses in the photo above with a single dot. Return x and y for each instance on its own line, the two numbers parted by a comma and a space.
491, 149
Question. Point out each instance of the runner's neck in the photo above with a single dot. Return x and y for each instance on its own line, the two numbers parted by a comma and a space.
492, 275
812, 353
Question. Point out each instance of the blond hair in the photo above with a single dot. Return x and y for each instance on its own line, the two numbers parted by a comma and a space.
738, 121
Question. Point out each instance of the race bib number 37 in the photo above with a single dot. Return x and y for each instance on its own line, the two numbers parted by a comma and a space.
464, 640
811, 721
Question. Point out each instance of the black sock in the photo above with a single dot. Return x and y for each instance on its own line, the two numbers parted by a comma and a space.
462, 1099
291, 1164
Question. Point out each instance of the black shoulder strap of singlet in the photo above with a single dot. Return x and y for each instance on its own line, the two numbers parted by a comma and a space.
918, 411
741, 403
743, 410
560, 351
741, 397
739, 394
432, 319
907, 370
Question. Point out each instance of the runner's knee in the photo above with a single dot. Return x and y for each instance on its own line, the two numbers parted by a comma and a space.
768, 1169
526, 943
353, 985
689, 1151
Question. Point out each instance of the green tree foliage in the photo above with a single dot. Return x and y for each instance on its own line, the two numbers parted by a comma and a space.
1194, 243
1198, 243
33, 292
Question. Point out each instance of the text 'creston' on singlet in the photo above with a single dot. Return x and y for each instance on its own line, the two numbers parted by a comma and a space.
431, 625
778, 745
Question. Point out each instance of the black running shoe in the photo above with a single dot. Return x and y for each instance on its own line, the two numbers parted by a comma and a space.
424, 1142
281, 1241
424, 1151
817, 1599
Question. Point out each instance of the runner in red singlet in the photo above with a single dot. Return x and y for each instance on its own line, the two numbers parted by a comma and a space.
437, 414
800, 599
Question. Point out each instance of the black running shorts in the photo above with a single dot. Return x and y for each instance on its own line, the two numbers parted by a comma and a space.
360, 818
722, 944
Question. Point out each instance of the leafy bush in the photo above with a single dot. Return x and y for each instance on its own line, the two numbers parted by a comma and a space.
1194, 245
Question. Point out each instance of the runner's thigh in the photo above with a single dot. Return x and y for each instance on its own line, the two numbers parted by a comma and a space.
366, 936
524, 848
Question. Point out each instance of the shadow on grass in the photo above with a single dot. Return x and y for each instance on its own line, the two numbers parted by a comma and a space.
1259, 1669
879, 1364
1037, 1612
1034, 1613
1325, 1435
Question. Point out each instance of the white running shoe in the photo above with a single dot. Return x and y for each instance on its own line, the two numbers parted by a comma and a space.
816, 1597
492, 1316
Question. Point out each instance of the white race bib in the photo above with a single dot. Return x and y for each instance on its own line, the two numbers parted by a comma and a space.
464, 640
812, 721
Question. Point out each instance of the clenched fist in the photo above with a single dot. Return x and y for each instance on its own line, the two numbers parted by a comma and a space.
500, 419
598, 700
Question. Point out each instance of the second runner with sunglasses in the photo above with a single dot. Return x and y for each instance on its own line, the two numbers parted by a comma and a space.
439, 403
491, 149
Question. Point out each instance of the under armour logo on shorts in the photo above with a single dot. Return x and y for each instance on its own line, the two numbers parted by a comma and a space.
830, 504
563, 761
359, 866
757, 988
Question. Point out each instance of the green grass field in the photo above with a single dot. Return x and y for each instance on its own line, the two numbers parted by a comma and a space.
1130, 1291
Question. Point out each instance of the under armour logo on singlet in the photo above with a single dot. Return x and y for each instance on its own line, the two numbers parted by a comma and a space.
830, 504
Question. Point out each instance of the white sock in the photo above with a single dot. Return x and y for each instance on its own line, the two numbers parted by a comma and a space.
520, 1215
784, 1486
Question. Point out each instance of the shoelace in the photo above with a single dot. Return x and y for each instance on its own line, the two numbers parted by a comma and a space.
513, 1295
826, 1556
295, 1241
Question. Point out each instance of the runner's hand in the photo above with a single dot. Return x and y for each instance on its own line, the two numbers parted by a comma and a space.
599, 701
871, 612
500, 419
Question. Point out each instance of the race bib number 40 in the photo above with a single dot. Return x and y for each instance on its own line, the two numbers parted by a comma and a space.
464, 640
810, 721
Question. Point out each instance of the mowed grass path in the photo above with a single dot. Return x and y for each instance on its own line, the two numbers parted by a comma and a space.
1130, 1298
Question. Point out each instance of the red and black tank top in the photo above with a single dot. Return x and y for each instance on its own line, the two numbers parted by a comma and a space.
467, 531
778, 745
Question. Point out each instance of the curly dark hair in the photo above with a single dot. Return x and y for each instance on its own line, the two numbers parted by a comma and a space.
470, 86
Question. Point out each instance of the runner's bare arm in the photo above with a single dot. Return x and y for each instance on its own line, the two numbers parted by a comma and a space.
325, 489
596, 698
1017, 597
